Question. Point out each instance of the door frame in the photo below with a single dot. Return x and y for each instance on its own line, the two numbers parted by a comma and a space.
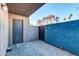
13, 29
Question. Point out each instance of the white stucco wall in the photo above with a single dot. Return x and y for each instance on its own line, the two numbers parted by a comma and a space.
3, 30
33, 33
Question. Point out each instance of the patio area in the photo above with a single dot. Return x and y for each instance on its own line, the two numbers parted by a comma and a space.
36, 48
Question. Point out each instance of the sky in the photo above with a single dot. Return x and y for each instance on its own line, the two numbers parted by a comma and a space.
59, 9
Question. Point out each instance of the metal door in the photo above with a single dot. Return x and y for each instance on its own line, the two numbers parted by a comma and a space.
17, 31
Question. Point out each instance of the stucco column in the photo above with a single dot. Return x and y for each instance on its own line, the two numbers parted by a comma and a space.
3, 29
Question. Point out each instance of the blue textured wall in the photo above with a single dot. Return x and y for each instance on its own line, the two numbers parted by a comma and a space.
64, 35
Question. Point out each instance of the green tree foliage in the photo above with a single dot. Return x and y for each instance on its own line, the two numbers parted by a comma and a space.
64, 18
57, 19
70, 16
